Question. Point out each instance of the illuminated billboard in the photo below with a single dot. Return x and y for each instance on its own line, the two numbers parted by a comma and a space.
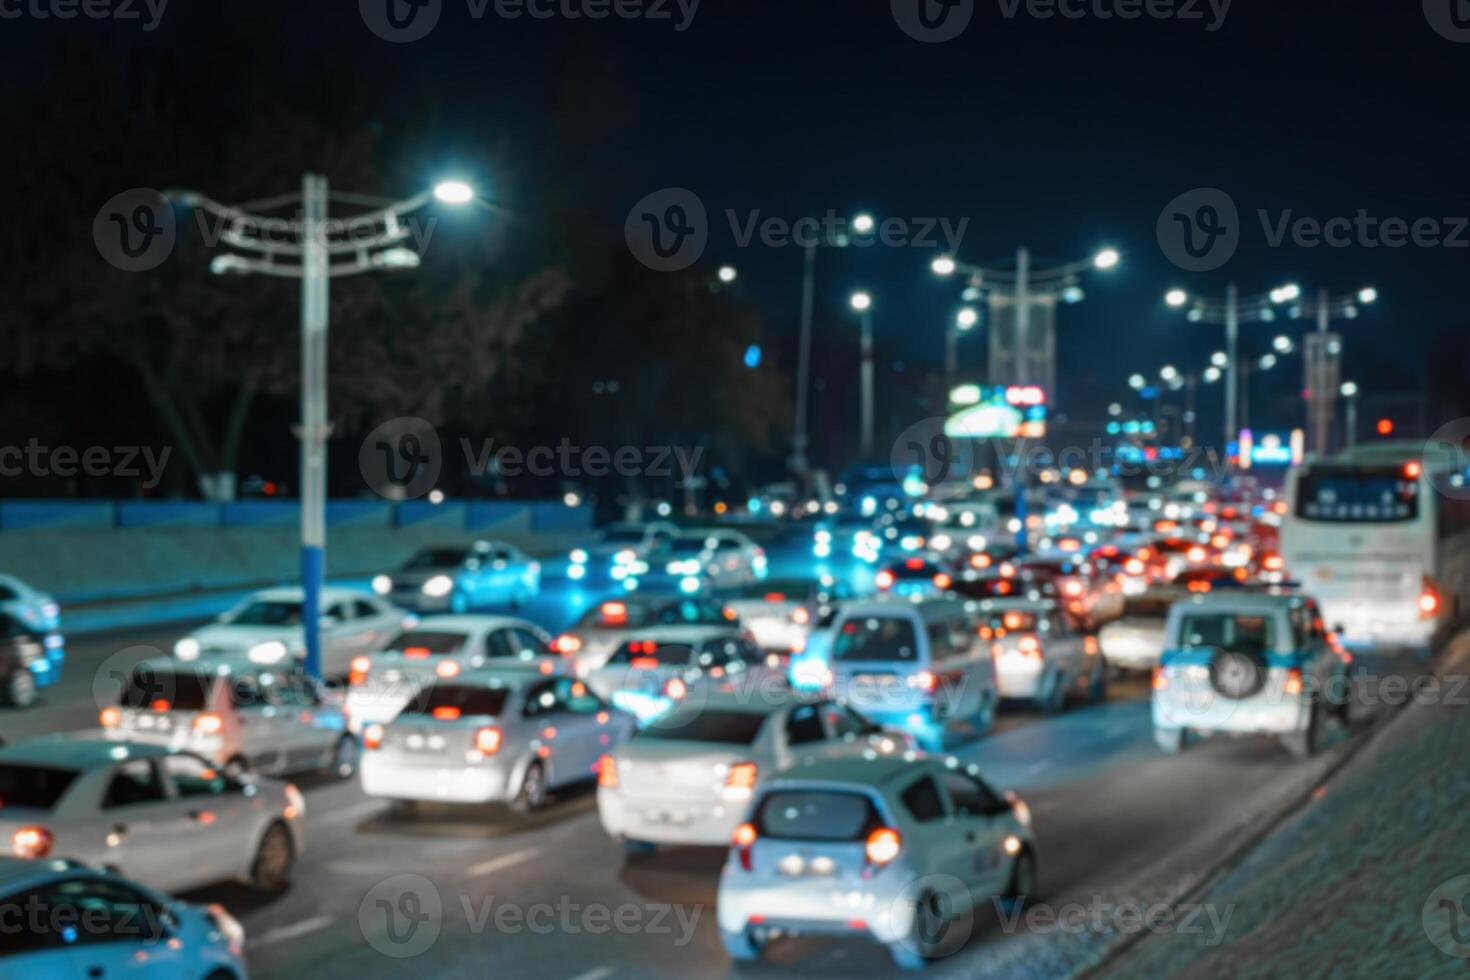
996, 412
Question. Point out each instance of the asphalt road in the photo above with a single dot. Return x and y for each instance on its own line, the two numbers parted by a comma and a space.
1108, 809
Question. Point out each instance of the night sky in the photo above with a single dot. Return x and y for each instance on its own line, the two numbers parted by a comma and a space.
1062, 135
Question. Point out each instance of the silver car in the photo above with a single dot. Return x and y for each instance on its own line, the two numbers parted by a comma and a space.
170, 819
491, 735
240, 716
605, 627
891, 848
458, 579
1135, 641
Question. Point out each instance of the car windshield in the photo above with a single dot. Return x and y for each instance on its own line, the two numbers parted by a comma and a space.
648, 653
876, 638
466, 699
436, 558
816, 816
37, 787
719, 727
425, 643
690, 545
154, 690
1147, 608
267, 612
1228, 631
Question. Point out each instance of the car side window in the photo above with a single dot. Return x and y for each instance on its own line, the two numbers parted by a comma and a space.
524, 644
193, 777
499, 645
970, 797
100, 911
340, 611
578, 698
17, 941
543, 699
804, 726
134, 782
363, 609
843, 721
923, 801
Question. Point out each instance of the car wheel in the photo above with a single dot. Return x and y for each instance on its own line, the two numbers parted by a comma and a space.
532, 796
921, 946
743, 947
1055, 696
1022, 886
1303, 744
344, 757
274, 858
236, 766
20, 691
1169, 740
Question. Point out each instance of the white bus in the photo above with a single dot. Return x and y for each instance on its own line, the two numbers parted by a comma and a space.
1373, 535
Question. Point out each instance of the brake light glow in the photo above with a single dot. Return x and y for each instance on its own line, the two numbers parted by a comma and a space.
883, 845
416, 653
209, 723
1273, 563
1293, 684
924, 681
884, 579
675, 689
372, 736
487, 740
914, 564
447, 669
1196, 554
1412, 470
1428, 601
1161, 682
447, 712
607, 772
31, 842
1090, 645
1073, 588
361, 667
158, 704
742, 840
980, 561
615, 613
740, 781
110, 717
1030, 646
644, 663
567, 644
943, 581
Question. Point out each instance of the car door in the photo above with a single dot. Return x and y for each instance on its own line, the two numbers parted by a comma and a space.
261, 720
149, 833
375, 628
583, 718
976, 816
118, 931
939, 849
803, 733
218, 811
309, 728
1064, 646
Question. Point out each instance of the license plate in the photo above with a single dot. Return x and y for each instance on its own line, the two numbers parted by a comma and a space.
666, 816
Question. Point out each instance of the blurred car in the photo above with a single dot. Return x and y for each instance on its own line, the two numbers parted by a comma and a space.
659, 667
239, 715
1135, 640
1243, 663
904, 534
606, 626
31, 606
1210, 579
876, 847
689, 779
1039, 655
169, 819
621, 550
1088, 597
779, 613
491, 735
454, 579
30, 659
86, 922
917, 577
919, 666
1170, 556
711, 558
441, 648
266, 629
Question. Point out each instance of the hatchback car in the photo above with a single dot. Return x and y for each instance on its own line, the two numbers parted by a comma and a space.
458, 579
491, 736
662, 666
440, 648
606, 626
620, 551
780, 613
31, 658
237, 714
86, 922
891, 848
266, 628
710, 558
170, 819
689, 779
1241, 663
916, 665
1039, 655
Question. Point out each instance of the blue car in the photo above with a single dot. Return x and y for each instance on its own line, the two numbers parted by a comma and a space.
30, 659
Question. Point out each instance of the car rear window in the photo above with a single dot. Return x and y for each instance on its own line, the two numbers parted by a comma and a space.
876, 638
465, 698
1244, 634
39, 787
816, 816
719, 727
1147, 608
155, 690
912, 571
649, 653
426, 643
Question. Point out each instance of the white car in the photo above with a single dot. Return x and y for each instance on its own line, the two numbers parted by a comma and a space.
917, 665
606, 626
621, 551
491, 735
240, 716
169, 819
899, 849
780, 613
85, 922
713, 558
1135, 640
441, 648
689, 779
1039, 655
458, 579
1237, 663
266, 628
31, 606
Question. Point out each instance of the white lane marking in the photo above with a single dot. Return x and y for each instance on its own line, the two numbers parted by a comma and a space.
601, 973
348, 814
294, 931
504, 861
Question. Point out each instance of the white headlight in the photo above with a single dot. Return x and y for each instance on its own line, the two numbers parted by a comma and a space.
382, 584
269, 652
579, 556
438, 586
625, 556
187, 649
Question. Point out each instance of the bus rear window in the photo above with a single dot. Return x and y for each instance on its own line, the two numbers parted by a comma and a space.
1357, 496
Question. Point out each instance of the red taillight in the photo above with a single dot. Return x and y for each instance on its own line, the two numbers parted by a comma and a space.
372, 736
644, 663
914, 564
1030, 646
1273, 563
445, 713
1412, 471
675, 689
801, 616
740, 781
742, 841
943, 581
924, 681
209, 723
31, 842
883, 845
1090, 645
1073, 588
1293, 683
361, 667
1428, 601
1196, 555
607, 772
416, 653
158, 704
487, 740
567, 644
110, 717
614, 613
980, 561
884, 579
1161, 682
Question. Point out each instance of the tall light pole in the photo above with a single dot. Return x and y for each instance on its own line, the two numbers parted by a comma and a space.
862, 302
964, 321
365, 242
1322, 358
1349, 392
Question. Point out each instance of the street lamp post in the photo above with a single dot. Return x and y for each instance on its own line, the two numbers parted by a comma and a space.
1349, 392
862, 302
1322, 363
964, 321
368, 242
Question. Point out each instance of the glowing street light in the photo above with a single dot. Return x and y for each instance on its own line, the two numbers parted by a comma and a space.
967, 318
1267, 362
1282, 344
864, 224
1176, 298
1219, 359
1349, 389
727, 273
1137, 382
1286, 294
943, 266
1212, 374
1367, 295
1108, 258
454, 192
861, 301
1168, 372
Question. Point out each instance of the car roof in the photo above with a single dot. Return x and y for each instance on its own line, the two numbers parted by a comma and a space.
768, 703
293, 593
1017, 604
869, 769
684, 633
1233, 600
501, 676
78, 751
227, 665
924, 608
470, 622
